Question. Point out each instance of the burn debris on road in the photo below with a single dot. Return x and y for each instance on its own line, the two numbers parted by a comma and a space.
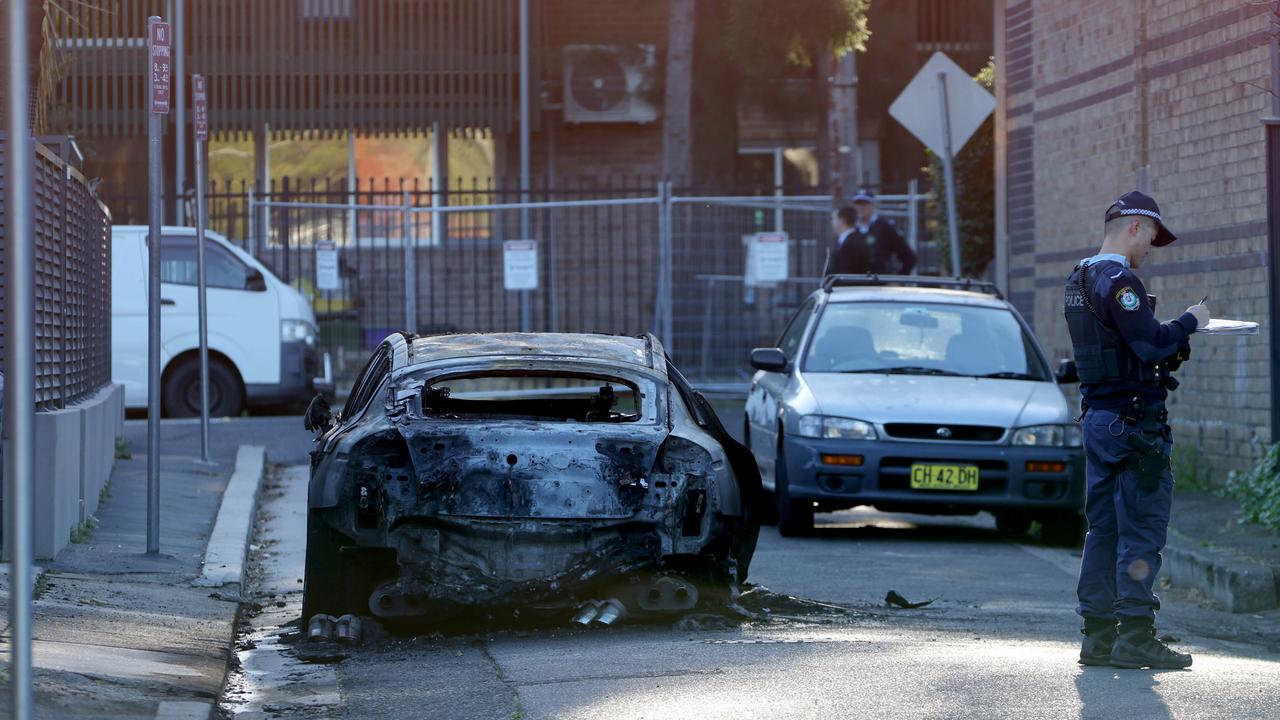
894, 600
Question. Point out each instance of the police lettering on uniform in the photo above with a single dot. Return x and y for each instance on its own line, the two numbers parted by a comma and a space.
1125, 358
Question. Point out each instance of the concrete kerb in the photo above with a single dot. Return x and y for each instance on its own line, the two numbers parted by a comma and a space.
228, 547
1238, 585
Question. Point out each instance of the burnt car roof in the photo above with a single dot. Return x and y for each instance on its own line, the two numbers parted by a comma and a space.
637, 351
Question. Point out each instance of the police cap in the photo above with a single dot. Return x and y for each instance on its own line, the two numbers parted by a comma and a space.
1136, 203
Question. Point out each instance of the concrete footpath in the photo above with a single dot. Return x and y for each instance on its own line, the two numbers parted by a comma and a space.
1233, 565
119, 634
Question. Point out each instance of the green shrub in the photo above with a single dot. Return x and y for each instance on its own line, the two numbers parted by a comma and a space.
1258, 490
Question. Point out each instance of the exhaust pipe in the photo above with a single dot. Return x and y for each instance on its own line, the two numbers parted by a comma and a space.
587, 613
347, 629
611, 611
320, 628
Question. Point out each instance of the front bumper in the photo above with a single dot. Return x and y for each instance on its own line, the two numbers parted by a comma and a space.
299, 367
884, 478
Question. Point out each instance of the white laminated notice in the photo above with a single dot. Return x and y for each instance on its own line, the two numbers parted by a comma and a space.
1229, 327
520, 265
327, 277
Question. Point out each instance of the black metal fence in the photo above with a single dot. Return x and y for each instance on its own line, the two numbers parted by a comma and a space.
72, 279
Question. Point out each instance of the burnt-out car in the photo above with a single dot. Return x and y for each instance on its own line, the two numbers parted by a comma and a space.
539, 472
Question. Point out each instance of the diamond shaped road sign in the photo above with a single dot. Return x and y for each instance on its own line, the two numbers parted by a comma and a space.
919, 107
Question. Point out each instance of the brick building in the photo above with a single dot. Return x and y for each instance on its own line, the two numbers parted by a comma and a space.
1099, 97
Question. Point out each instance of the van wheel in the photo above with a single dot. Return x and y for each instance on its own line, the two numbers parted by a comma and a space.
180, 396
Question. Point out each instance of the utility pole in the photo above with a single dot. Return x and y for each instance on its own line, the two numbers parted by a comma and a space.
19, 363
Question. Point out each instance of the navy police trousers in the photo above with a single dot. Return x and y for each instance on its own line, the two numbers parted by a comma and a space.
1127, 526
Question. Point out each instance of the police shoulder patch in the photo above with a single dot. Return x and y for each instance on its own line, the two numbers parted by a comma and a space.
1128, 299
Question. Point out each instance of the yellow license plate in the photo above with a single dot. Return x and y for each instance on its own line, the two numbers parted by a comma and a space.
944, 477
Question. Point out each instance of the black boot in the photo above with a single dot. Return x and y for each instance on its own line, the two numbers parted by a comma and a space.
1099, 636
1136, 646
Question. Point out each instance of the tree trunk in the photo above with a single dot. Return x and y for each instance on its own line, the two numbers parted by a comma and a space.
677, 120
842, 128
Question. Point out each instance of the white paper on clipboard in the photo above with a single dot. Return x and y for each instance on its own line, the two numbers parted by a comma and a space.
1229, 327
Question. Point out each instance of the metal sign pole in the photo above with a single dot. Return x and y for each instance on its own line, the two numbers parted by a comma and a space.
200, 101
949, 171
526, 300
19, 366
410, 267
158, 80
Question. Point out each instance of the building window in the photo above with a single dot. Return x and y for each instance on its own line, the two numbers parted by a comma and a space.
325, 9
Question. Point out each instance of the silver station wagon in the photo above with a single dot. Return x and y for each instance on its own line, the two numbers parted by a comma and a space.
915, 394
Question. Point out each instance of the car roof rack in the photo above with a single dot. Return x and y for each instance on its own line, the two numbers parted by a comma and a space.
831, 282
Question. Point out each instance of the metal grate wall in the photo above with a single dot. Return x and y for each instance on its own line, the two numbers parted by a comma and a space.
72, 283
372, 66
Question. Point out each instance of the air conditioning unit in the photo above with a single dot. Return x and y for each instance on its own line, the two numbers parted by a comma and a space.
609, 84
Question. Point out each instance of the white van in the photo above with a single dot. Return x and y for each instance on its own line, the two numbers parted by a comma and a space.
262, 332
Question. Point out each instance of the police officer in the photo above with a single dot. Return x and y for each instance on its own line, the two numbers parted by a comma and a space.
1125, 358
866, 242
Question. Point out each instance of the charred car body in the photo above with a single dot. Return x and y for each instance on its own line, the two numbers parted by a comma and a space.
539, 471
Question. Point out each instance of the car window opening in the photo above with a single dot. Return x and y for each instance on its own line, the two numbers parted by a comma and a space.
542, 396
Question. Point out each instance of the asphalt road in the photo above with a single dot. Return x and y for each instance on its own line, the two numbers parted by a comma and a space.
999, 640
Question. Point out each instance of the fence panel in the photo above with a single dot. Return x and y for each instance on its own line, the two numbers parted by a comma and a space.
598, 259
718, 317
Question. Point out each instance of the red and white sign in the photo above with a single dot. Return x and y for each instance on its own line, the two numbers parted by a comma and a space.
767, 258
161, 70
200, 103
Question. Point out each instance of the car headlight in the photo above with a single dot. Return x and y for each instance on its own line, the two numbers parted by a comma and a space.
1048, 436
297, 331
821, 426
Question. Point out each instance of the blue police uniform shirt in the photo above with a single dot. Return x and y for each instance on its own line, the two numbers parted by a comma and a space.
1120, 299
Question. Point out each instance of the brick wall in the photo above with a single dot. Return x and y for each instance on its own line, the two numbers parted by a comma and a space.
1097, 90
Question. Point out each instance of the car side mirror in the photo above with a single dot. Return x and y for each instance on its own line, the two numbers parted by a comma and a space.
1067, 372
769, 359
318, 418
254, 281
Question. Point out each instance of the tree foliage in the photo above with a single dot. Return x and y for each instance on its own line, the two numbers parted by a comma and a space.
762, 37
974, 168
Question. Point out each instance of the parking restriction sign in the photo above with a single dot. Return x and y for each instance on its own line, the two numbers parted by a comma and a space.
161, 75
200, 103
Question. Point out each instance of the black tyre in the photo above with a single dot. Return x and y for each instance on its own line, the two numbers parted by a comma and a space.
795, 517
180, 396
1013, 522
1065, 528
326, 587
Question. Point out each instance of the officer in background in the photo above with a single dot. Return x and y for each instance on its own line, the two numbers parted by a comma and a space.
1125, 358
866, 242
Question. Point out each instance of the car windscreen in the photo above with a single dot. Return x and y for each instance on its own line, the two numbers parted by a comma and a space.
923, 338
545, 396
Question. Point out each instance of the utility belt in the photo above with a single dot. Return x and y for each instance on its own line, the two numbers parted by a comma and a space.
1142, 416
1143, 427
